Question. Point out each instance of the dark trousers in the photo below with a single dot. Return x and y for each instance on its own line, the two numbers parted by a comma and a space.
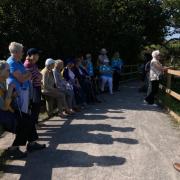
79, 95
87, 88
153, 92
36, 104
35, 110
25, 131
116, 80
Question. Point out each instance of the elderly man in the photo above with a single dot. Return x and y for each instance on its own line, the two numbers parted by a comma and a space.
30, 65
20, 78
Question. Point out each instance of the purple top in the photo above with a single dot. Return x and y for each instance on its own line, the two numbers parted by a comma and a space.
36, 75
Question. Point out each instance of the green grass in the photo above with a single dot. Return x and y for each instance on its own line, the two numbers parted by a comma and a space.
170, 102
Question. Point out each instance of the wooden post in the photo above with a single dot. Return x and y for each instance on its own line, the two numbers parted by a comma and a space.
168, 85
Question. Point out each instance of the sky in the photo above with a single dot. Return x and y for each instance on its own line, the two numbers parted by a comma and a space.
176, 35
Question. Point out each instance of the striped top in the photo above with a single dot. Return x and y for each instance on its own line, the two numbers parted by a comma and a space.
36, 75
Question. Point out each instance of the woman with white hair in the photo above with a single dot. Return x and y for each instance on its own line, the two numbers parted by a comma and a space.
64, 86
156, 70
50, 90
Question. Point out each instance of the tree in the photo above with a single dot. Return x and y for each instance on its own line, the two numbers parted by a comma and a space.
63, 28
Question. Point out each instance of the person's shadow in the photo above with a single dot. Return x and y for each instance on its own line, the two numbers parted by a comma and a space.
40, 166
84, 133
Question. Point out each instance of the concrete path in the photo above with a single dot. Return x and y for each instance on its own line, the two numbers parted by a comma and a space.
120, 139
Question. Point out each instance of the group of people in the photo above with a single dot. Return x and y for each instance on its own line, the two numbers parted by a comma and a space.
67, 86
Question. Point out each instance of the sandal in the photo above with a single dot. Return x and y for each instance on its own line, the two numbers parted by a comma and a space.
177, 166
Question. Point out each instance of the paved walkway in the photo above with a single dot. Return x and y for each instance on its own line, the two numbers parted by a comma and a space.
120, 139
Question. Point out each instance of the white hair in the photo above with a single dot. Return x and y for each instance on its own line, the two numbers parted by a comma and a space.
155, 53
3, 65
58, 61
15, 47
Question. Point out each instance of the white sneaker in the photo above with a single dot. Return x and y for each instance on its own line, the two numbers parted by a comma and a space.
154, 105
145, 102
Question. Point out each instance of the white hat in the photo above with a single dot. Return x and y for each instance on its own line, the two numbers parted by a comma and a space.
103, 50
49, 61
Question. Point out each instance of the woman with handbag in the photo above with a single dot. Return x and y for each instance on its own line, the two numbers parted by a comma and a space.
156, 71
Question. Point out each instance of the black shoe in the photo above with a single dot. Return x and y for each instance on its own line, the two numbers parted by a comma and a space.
35, 146
15, 153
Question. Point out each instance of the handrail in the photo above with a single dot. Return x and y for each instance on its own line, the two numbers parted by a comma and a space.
174, 72
167, 88
132, 72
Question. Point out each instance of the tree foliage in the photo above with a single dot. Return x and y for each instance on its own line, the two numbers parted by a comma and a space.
64, 27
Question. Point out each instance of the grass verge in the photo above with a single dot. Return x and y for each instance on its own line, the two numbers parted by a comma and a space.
170, 102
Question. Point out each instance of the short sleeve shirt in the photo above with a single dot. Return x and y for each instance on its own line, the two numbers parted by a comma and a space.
16, 66
117, 63
104, 68
154, 72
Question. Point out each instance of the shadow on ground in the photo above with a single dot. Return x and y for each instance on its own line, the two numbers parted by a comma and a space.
40, 165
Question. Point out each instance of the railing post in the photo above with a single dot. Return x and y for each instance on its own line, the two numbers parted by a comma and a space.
168, 85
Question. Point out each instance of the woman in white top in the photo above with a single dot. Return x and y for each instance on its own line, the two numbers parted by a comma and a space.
156, 70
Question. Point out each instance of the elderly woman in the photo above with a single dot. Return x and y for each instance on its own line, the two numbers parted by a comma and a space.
156, 70
8, 118
71, 77
106, 76
64, 86
20, 78
51, 91
30, 65
6, 95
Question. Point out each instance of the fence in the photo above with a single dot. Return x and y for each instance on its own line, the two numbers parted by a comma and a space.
170, 92
129, 73
167, 88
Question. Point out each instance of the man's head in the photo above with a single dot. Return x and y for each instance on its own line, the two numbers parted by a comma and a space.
88, 56
16, 50
33, 54
116, 54
70, 63
49, 63
103, 51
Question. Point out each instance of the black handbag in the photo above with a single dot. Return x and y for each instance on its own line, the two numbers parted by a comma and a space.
8, 121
